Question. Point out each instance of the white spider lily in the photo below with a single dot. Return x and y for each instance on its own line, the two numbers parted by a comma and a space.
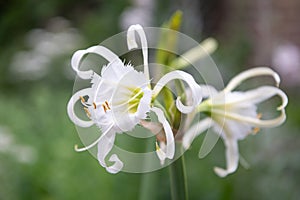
121, 97
234, 115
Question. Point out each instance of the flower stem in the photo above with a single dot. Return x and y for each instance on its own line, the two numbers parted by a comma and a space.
178, 180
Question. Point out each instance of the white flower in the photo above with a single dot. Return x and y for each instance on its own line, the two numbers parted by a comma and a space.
233, 114
121, 97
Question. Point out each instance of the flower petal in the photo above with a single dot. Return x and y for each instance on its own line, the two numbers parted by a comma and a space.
208, 91
254, 121
194, 87
259, 71
112, 75
127, 97
70, 108
105, 145
194, 131
144, 105
254, 96
160, 151
170, 147
131, 42
232, 158
100, 50
245, 102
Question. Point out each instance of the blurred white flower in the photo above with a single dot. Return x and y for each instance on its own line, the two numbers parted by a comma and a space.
45, 46
286, 60
22, 153
141, 12
233, 114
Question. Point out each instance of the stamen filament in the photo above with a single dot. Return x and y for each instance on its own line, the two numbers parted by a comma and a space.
94, 143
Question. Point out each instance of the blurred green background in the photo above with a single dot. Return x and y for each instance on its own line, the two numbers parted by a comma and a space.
37, 39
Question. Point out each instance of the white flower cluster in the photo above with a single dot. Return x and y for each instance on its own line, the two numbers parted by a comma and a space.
121, 97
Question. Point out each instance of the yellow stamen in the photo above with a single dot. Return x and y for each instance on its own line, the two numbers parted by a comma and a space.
94, 104
87, 112
104, 107
107, 105
259, 116
82, 99
157, 147
255, 130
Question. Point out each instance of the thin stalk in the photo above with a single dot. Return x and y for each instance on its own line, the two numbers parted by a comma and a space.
178, 180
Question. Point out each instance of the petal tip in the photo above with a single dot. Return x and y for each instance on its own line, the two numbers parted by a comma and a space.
220, 172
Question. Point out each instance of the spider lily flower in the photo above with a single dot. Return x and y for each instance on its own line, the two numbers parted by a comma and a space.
121, 97
233, 114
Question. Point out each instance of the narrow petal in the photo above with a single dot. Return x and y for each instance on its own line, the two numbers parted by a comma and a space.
259, 71
194, 87
70, 108
131, 42
255, 122
254, 96
194, 131
204, 49
160, 151
232, 158
100, 50
170, 147
105, 144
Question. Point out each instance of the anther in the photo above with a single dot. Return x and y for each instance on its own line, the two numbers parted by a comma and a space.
87, 112
94, 104
82, 99
255, 130
156, 146
107, 105
259, 116
104, 107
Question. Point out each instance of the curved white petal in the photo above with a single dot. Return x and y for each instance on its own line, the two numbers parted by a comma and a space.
252, 120
131, 42
194, 87
70, 108
170, 147
254, 96
259, 71
105, 145
144, 105
194, 131
232, 158
100, 50
160, 151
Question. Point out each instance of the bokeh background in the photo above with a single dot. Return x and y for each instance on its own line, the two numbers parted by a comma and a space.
37, 39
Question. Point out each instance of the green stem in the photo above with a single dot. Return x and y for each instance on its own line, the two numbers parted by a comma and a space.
178, 180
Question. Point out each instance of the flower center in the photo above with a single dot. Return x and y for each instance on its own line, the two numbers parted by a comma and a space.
134, 100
